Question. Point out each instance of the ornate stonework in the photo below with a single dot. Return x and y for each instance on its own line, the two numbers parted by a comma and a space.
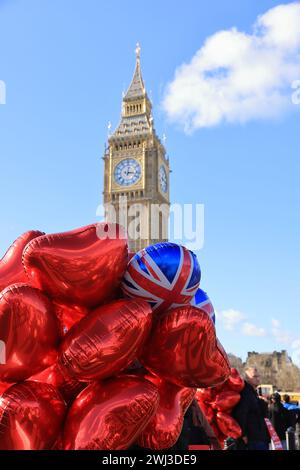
137, 169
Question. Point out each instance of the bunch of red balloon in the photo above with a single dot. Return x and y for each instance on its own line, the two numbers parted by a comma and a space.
217, 404
69, 346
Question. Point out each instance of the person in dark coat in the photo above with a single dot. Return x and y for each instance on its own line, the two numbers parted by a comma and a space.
196, 430
250, 413
279, 417
292, 410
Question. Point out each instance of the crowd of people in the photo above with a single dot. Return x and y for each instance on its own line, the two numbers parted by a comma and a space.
250, 413
252, 410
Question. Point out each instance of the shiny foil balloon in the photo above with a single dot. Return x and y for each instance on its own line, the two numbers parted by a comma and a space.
235, 382
206, 408
184, 350
228, 426
210, 414
225, 401
110, 415
107, 340
29, 330
31, 416
165, 275
11, 267
201, 300
68, 387
164, 429
205, 394
83, 266
68, 315
4, 386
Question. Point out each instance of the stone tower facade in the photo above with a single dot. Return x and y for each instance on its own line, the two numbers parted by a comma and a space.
136, 174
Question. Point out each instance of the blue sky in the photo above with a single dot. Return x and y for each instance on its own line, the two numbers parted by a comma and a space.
65, 64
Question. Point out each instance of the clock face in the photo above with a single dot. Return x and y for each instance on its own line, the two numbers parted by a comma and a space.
127, 172
163, 179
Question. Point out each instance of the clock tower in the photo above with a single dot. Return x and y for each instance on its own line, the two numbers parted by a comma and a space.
136, 176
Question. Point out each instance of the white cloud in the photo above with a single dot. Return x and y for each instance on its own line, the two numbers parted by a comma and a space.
280, 335
249, 329
237, 77
230, 318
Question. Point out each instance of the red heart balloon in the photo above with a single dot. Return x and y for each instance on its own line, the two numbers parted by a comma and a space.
210, 414
235, 382
31, 416
206, 409
29, 330
107, 340
206, 394
164, 429
11, 267
68, 315
67, 386
228, 425
83, 266
3, 386
110, 415
183, 349
226, 400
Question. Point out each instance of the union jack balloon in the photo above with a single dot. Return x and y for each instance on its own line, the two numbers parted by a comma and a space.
166, 275
201, 300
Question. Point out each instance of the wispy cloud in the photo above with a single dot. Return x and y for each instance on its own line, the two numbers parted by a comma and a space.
230, 318
249, 329
238, 77
236, 321
281, 335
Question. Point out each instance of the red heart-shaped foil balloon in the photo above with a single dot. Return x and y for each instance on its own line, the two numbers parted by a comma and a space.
226, 400
228, 425
4, 386
11, 267
110, 415
29, 331
107, 340
184, 350
68, 315
83, 266
206, 408
164, 429
235, 382
31, 416
210, 414
67, 386
206, 394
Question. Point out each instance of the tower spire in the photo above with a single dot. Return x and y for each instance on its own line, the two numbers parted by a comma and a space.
138, 51
136, 88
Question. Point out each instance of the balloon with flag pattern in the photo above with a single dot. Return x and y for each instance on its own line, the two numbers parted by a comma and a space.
166, 275
201, 300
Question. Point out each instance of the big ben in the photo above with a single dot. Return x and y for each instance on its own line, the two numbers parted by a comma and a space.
136, 176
